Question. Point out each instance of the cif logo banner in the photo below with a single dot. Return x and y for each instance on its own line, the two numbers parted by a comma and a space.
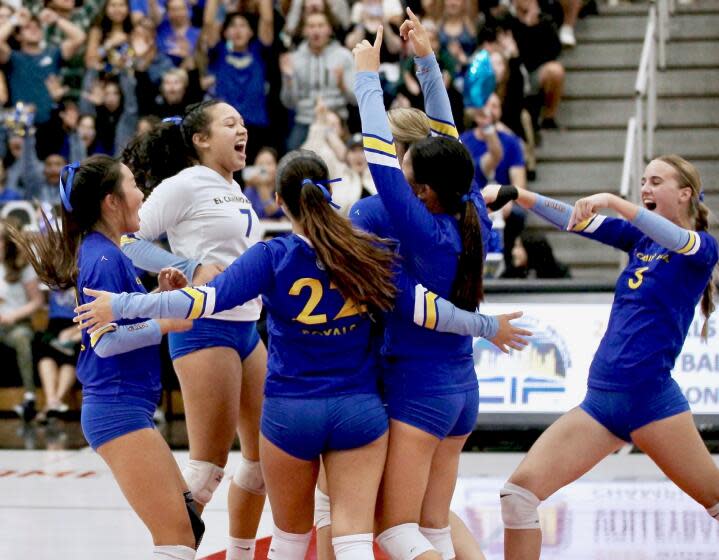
550, 375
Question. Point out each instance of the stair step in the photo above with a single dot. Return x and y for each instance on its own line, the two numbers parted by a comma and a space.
633, 27
689, 54
600, 145
620, 83
612, 113
632, 8
576, 179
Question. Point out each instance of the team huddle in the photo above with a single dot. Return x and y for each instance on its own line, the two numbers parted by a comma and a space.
352, 420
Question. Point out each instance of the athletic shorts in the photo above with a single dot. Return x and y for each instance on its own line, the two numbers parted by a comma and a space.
622, 412
107, 418
241, 336
306, 428
454, 414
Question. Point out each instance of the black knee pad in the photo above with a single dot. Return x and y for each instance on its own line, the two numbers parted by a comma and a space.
196, 522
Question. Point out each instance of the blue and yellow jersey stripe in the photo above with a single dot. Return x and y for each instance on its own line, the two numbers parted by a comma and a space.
380, 151
127, 239
692, 245
202, 301
443, 128
590, 225
425, 307
99, 333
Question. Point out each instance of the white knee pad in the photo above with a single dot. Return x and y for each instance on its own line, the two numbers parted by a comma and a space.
519, 507
714, 511
248, 476
404, 542
176, 552
353, 547
288, 546
441, 540
202, 479
323, 517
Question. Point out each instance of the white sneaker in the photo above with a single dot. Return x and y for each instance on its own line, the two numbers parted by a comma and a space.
566, 36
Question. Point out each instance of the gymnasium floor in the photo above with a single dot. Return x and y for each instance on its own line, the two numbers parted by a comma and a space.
64, 504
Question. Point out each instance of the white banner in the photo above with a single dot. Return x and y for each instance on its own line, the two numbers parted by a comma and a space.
550, 375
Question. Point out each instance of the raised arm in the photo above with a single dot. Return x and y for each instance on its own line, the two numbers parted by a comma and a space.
148, 256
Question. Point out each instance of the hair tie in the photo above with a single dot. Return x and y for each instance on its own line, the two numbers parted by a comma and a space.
325, 193
465, 198
176, 120
66, 186
701, 195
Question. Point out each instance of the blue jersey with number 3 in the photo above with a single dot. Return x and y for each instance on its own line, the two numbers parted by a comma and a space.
654, 303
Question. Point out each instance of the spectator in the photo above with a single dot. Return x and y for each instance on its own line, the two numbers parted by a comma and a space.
356, 178
238, 63
30, 68
20, 297
338, 13
176, 36
86, 133
146, 124
532, 257
484, 144
57, 354
148, 59
458, 30
320, 67
260, 185
326, 138
178, 89
570, 10
108, 40
7, 194
539, 48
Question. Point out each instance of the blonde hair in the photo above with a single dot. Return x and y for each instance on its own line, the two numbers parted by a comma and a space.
408, 125
688, 176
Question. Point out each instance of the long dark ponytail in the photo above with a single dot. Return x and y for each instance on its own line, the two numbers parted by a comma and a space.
360, 264
446, 167
53, 252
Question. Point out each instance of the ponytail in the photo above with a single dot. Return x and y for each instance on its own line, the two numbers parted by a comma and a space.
446, 167
701, 223
53, 252
359, 264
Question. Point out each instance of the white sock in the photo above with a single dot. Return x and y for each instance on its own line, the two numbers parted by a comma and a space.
353, 547
714, 511
323, 517
173, 552
288, 546
441, 540
240, 549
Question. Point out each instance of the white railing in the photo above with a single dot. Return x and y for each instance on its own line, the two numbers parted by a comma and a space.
639, 147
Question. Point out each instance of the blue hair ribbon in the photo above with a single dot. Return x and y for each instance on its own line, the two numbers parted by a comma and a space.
176, 120
701, 195
325, 192
66, 185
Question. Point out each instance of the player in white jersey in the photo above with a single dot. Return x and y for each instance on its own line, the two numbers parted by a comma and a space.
189, 164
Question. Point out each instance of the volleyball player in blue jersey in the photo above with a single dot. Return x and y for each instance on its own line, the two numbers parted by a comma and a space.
321, 395
431, 386
119, 364
631, 396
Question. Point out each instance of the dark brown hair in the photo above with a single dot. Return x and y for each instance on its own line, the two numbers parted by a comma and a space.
53, 253
359, 263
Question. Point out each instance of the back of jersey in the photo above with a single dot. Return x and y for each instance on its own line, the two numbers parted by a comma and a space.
319, 341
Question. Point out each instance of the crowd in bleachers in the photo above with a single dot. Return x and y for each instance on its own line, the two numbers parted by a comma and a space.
83, 77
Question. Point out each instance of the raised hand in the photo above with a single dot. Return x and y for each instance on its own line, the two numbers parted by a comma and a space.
586, 207
413, 31
366, 55
508, 335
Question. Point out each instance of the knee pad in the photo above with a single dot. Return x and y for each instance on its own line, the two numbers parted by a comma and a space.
353, 547
323, 517
202, 479
176, 552
288, 546
248, 476
196, 522
519, 507
404, 542
714, 511
441, 540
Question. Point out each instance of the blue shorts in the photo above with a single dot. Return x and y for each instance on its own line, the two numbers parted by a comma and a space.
454, 414
241, 336
306, 428
622, 412
107, 418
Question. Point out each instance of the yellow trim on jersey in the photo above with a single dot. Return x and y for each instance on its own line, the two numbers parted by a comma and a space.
443, 128
693, 240
581, 226
379, 145
99, 333
198, 302
431, 309
127, 239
